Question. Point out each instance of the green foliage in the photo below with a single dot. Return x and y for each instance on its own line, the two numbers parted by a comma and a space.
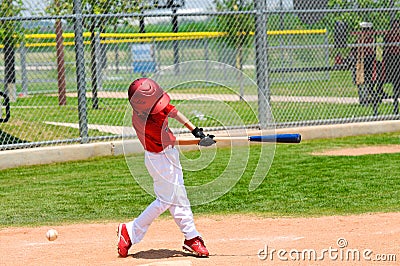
353, 19
11, 32
59, 7
238, 26
96, 7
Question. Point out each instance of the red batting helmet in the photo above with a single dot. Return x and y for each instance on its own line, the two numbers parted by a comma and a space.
145, 95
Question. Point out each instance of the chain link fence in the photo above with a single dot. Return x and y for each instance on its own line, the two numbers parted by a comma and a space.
66, 64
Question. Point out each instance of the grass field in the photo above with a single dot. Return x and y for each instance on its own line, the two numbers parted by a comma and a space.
298, 184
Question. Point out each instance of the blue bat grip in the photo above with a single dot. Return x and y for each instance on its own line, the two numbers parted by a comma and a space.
281, 138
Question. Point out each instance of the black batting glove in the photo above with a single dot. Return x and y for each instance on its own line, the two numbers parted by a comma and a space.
207, 141
198, 133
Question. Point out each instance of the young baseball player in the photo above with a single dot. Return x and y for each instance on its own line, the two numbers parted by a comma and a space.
151, 109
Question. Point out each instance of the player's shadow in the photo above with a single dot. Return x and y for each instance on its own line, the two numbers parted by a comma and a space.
160, 254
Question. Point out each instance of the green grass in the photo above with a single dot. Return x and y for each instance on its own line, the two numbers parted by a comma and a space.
298, 184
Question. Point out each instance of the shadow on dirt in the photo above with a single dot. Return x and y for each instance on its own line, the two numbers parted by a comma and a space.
160, 254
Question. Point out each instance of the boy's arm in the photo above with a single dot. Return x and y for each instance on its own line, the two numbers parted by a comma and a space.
181, 118
197, 132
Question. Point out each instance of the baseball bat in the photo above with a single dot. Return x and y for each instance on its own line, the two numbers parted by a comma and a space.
277, 138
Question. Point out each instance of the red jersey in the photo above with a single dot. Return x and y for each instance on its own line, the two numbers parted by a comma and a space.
152, 129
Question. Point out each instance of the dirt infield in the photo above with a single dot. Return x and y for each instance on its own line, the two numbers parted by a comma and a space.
361, 150
232, 240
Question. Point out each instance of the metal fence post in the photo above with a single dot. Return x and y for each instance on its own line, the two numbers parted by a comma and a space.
80, 71
262, 62
282, 39
206, 57
99, 65
175, 29
116, 59
24, 74
326, 42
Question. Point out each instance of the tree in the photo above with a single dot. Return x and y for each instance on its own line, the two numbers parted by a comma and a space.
238, 26
11, 33
96, 7
57, 9
96, 26
354, 18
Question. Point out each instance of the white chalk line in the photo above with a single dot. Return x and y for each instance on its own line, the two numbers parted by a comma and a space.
265, 239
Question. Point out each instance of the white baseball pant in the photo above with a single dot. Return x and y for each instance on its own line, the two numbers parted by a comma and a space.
166, 171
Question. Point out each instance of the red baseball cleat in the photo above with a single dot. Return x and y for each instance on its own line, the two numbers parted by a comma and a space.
124, 242
196, 246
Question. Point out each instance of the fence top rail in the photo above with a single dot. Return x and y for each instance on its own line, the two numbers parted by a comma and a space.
129, 35
128, 15
173, 34
191, 14
153, 36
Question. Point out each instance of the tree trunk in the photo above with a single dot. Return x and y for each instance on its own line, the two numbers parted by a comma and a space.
62, 97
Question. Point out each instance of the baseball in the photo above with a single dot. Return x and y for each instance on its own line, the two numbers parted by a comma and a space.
52, 235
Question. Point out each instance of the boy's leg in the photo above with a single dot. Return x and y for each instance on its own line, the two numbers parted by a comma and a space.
180, 207
134, 231
183, 217
138, 227
182, 213
166, 170
193, 242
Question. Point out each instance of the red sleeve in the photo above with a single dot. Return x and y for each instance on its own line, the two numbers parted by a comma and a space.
171, 111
